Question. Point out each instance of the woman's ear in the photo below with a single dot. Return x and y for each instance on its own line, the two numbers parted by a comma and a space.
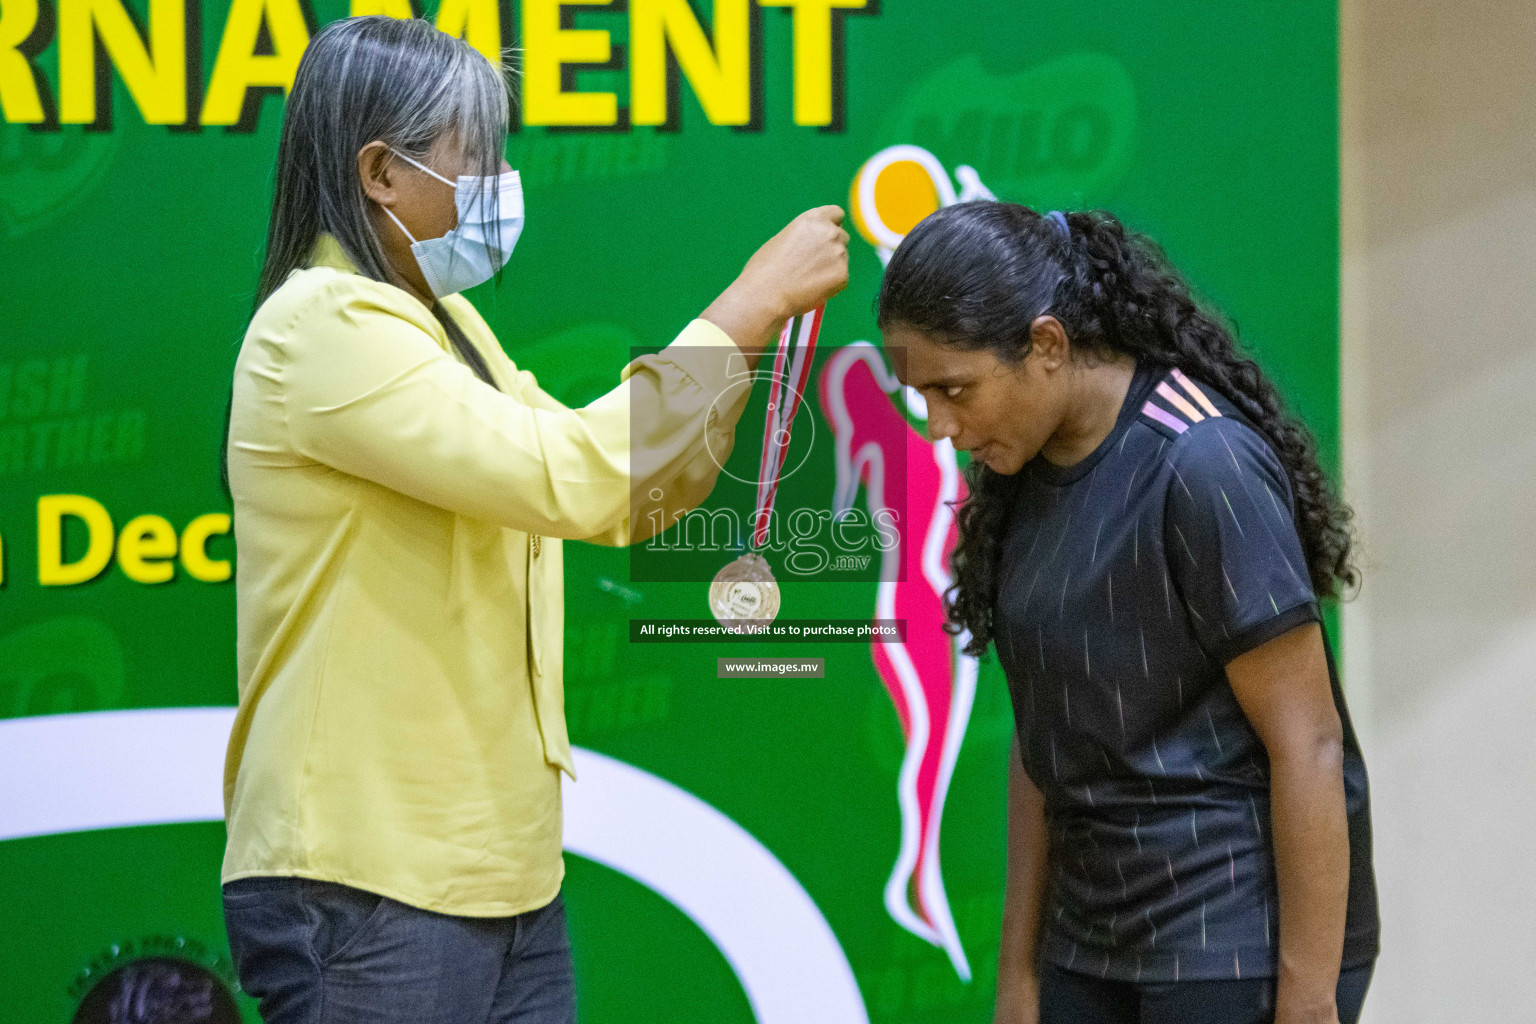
375, 171
1048, 343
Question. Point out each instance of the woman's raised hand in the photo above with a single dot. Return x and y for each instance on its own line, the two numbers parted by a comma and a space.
806, 263
795, 271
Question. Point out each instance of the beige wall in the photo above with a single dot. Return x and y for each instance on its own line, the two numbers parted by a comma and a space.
1439, 348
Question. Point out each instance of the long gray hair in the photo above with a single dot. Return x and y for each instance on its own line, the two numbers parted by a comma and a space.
399, 81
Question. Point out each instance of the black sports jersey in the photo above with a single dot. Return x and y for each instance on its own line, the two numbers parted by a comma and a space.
1128, 581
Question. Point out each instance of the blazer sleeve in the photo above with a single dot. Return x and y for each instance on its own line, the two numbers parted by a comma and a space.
367, 390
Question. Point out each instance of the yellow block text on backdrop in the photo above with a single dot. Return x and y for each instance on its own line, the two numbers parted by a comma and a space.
159, 63
146, 548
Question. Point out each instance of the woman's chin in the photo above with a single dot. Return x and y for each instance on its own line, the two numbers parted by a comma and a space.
996, 459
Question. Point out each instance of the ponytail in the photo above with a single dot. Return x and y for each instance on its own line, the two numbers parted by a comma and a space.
977, 275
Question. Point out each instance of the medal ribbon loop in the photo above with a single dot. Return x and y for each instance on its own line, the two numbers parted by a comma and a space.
786, 390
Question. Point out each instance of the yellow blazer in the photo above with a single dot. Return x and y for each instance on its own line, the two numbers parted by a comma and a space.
401, 725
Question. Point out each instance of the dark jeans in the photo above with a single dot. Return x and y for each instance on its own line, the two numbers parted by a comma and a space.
321, 953
1068, 998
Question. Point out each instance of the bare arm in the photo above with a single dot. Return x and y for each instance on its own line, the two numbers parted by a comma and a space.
1284, 690
1018, 995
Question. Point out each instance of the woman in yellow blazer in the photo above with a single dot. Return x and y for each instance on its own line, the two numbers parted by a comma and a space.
401, 491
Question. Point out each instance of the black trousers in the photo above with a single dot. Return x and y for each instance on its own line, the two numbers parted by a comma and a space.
1069, 998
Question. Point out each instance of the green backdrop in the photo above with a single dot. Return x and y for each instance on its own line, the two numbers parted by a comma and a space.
128, 259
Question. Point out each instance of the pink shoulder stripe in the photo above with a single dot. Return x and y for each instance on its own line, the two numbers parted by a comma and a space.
1179, 402
1196, 393
1164, 417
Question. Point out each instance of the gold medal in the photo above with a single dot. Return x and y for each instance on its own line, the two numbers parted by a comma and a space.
744, 594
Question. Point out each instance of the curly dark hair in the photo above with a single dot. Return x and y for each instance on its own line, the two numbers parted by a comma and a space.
977, 275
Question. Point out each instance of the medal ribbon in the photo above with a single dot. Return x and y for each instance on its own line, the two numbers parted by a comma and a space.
791, 374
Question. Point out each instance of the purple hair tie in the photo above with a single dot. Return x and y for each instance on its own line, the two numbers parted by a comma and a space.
1059, 222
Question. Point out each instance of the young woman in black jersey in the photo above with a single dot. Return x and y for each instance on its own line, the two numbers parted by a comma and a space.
1147, 536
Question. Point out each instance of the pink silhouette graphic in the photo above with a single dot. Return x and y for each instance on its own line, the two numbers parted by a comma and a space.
931, 683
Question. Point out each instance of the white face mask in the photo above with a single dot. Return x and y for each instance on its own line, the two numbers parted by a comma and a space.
469, 254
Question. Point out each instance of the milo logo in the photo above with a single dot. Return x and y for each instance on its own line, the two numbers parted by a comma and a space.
42, 174
1058, 129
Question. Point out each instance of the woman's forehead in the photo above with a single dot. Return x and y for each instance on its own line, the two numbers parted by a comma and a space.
920, 361
464, 154
451, 149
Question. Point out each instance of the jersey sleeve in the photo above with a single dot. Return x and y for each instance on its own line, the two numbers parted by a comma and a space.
1231, 542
